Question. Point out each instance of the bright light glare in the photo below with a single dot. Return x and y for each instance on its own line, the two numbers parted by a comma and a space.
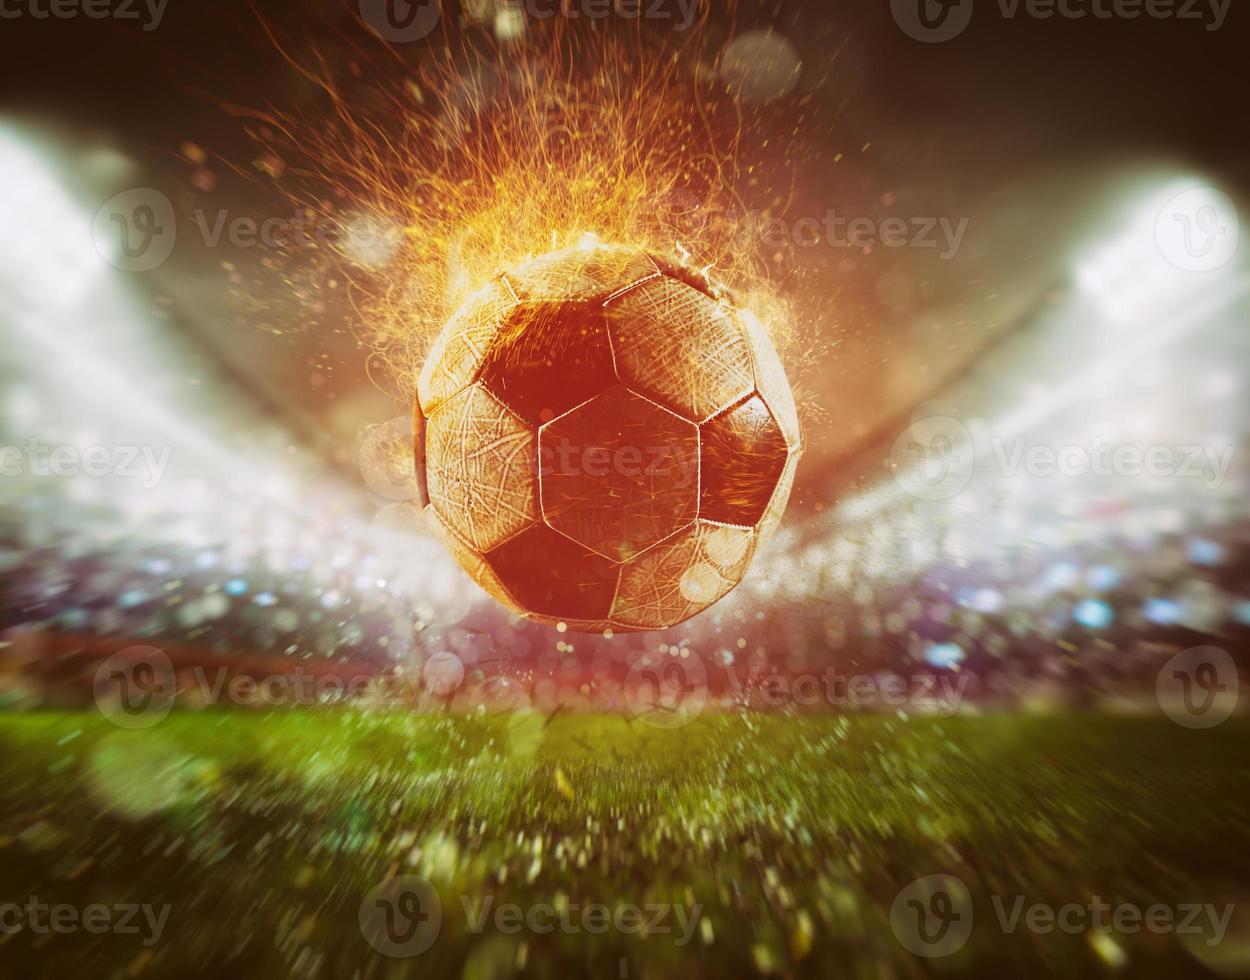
1165, 254
47, 257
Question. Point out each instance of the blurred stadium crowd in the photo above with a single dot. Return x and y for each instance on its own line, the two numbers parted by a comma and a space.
245, 548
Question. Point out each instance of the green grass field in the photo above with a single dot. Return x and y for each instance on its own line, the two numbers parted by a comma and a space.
784, 840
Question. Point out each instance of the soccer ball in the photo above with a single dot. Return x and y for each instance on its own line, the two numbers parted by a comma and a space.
602, 441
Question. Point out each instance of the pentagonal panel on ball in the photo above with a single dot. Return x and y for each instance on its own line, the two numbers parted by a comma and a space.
458, 350
481, 463
682, 576
548, 358
589, 274
771, 381
744, 454
554, 577
680, 347
474, 564
619, 473
777, 506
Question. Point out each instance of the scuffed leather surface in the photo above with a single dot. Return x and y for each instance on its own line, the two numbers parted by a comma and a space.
743, 455
643, 485
574, 275
680, 348
682, 576
471, 561
479, 468
460, 347
548, 358
598, 348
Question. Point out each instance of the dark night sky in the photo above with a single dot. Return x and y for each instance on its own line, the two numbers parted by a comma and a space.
992, 123
1002, 93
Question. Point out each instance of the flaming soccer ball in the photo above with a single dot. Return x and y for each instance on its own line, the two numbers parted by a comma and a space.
603, 443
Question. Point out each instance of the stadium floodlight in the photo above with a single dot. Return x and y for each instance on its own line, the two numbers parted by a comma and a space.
46, 253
